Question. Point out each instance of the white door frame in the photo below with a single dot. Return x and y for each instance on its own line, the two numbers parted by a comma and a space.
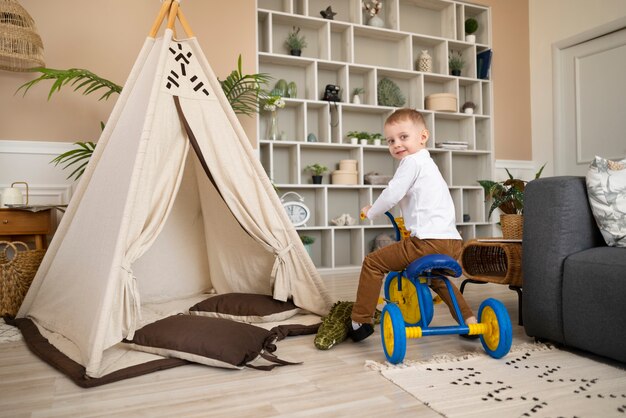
557, 105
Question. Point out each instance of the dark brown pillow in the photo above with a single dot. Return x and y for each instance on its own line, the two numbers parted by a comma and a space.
211, 341
245, 307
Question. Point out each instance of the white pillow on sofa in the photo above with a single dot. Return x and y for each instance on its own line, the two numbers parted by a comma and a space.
606, 188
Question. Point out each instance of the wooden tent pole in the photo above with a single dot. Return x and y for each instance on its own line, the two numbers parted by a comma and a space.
157, 22
184, 23
173, 12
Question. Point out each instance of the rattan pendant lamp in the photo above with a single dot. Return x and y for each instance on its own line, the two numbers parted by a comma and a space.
20, 45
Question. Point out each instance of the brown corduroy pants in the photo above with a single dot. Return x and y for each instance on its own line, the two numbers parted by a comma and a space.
396, 257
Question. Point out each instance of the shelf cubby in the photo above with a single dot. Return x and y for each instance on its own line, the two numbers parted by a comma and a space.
481, 14
470, 167
437, 49
365, 78
348, 247
428, 17
340, 42
483, 134
315, 32
370, 234
382, 48
454, 127
317, 120
473, 205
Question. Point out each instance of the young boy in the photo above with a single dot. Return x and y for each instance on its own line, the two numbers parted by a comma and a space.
428, 212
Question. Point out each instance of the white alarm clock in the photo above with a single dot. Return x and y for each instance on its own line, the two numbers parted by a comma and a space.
297, 212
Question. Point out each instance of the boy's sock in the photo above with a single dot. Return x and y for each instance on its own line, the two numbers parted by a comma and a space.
470, 320
359, 332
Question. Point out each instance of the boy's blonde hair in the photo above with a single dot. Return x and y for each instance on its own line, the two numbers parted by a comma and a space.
404, 114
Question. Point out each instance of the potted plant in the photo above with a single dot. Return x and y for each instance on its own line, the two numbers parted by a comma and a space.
356, 99
456, 63
317, 170
468, 107
376, 138
295, 42
308, 242
508, 196
471, 26
356, 136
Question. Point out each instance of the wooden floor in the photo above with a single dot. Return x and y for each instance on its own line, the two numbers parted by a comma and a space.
329, 383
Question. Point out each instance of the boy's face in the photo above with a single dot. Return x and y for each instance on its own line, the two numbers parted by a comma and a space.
405, 138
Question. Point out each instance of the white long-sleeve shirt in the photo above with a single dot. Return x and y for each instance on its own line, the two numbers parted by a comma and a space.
423, 196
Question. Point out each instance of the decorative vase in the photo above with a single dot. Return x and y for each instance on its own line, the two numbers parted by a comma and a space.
311, 137
272, 132
356, 99
470, 39
376, 22
292, 90
317, 179
425, 62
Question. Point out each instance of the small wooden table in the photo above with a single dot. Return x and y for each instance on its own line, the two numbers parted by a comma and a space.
17, 224
492, 260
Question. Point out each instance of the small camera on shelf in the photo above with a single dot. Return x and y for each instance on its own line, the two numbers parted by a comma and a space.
332, 93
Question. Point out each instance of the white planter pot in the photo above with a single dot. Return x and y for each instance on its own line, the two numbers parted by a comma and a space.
470, 38
356, 99
377, 142
354, 141
469, 111
363, 141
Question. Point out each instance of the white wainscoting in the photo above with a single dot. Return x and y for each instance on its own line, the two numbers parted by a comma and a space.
29, 161
520, 169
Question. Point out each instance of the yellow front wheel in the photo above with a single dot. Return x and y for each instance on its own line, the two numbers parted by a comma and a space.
499, 336
393, 333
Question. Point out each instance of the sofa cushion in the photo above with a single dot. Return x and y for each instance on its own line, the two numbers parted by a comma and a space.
594, 301
606, 188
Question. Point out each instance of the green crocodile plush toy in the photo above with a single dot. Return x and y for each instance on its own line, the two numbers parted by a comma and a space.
334, 328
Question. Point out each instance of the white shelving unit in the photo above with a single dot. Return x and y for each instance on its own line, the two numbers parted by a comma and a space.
348, 53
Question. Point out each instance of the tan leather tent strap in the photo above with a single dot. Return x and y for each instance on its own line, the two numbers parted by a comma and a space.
171, 9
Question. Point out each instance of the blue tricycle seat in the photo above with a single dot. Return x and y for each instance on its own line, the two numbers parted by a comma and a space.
434, 264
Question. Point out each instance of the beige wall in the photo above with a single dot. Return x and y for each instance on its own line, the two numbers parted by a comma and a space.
105, 37
511, 78
553, 21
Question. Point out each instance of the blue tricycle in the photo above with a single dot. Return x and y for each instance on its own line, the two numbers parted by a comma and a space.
409, 308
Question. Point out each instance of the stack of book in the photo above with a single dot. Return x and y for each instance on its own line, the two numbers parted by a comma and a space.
452, 144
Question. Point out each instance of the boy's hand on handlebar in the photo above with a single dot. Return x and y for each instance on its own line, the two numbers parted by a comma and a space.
364, 211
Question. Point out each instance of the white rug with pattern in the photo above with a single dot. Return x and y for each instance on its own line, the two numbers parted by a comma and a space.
533, 380
9, 333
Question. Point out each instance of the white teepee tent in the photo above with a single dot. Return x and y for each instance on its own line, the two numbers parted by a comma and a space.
173, 203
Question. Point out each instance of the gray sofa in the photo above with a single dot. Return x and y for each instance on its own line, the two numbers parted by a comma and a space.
574, 284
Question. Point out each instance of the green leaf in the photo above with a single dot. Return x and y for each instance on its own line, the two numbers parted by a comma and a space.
538, 174
243, 90
79, 155
76, 77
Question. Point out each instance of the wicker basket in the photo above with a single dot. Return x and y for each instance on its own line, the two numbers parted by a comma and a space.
16, 274
493, 262
512, 226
